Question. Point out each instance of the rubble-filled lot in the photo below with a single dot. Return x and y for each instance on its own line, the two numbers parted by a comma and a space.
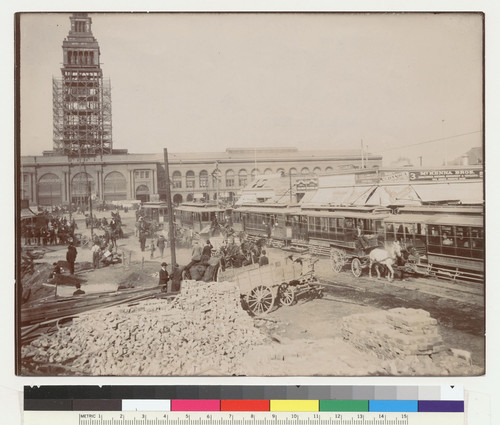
352, 331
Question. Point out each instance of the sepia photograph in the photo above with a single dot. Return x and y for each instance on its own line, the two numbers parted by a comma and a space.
250, 194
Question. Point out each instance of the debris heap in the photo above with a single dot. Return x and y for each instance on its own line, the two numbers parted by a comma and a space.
203, 331
395, 333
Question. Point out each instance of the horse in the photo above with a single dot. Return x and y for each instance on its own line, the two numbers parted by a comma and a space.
386, 256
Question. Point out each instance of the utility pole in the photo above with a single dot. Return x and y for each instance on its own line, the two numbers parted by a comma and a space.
89, 186
362, 155
171, 229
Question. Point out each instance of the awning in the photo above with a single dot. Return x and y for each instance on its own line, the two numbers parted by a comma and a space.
331, 196
393, 195
246, 198
466, 193
27, 213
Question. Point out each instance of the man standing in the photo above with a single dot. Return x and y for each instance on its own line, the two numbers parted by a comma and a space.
163, 276
152, 248
263, 260
96, 253
161, 245
142, 240
196, 252
207, 249
71, 257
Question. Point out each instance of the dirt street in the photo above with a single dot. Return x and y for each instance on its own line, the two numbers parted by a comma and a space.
306, 338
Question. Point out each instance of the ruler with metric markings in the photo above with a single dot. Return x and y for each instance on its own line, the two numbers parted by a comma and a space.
242, 418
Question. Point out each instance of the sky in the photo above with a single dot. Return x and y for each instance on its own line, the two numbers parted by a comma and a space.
404, 85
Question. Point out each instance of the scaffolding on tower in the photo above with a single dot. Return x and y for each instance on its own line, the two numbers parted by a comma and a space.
81, 96
82, 114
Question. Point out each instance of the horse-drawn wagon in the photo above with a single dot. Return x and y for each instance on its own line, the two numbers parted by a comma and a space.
281, 282
365, 253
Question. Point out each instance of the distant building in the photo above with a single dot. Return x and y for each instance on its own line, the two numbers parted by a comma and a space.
52, 179
84, 165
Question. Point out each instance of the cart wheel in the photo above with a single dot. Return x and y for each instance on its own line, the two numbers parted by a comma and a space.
287, 294
260, 300
356, 267
337, 260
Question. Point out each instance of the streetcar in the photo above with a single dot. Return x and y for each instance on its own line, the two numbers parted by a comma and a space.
445, 240
155, 211
202, 217
279, 223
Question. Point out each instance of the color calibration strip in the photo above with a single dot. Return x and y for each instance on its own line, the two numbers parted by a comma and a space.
236, 399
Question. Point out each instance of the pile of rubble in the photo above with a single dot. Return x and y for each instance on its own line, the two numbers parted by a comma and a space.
395, 333
203, 331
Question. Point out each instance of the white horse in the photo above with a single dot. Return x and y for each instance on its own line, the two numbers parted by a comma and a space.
386, 256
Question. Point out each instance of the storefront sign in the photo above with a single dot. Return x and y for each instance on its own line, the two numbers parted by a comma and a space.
446, 175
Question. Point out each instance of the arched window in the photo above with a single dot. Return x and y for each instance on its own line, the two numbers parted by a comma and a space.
177, 198
280, 171
242, 178
142, 193
203, 178
304, 170
177, 180
231, 196
293, 171
255, 172
49, 190
268, 171
229, 178
190, 197
206, 197
115, 186
81, 184
329, 170
190, 179
317, 171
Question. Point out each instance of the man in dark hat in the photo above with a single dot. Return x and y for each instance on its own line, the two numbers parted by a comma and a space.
163, 276
207, 249
176, 278
71, 257
78, 291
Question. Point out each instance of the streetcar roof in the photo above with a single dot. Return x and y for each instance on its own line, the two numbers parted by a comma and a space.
455, 220
201, 208
155, 205
409, 218
270, 210
347, 214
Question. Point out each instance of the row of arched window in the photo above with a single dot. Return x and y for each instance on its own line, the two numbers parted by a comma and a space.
230, 178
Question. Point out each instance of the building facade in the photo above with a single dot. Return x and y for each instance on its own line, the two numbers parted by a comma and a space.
52, 179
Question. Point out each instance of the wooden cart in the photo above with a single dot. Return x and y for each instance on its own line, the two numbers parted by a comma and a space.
280, 281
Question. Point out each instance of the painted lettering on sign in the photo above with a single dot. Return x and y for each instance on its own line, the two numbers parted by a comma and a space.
453, 174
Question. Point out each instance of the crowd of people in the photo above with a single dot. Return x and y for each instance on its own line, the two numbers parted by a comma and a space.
48, 229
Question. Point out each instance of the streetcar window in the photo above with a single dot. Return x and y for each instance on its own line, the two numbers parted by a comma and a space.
348, 223
340, 224
332, 225
477, 242
389, 232
434, 239
448, 235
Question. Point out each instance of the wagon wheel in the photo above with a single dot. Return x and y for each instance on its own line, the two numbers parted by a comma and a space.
287, 294
260, 300
337, 260
356, 267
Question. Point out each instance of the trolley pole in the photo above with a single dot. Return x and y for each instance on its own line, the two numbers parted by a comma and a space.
171, 229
